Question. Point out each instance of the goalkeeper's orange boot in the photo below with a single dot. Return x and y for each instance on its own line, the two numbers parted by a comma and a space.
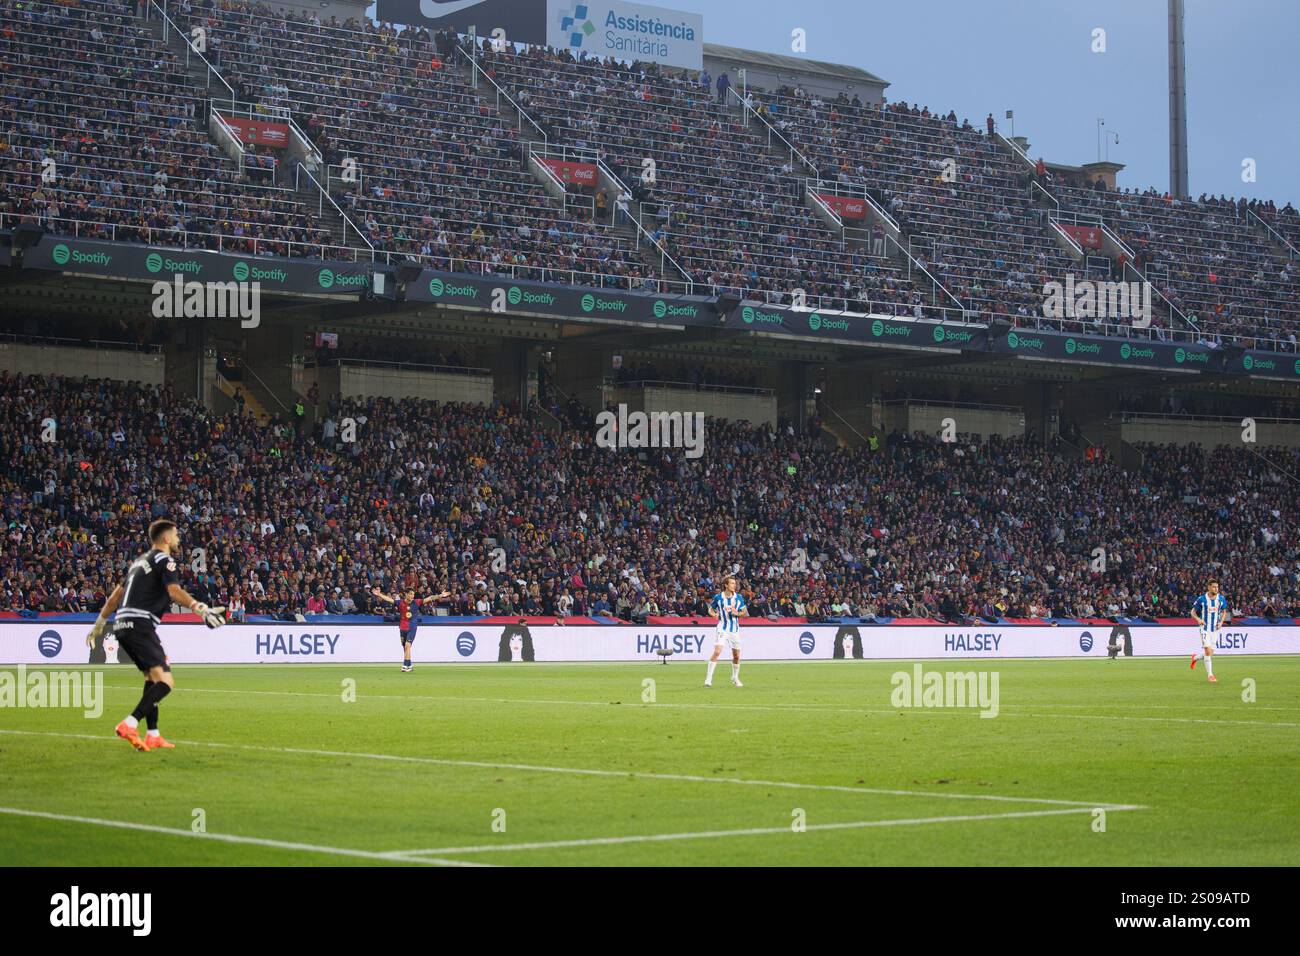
130, 735
1193, 662
157, 742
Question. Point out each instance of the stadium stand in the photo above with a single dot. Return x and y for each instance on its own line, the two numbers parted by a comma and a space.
727, 210
916, 529
441, 174
445, 179
980, 232
1208, 258
112, 108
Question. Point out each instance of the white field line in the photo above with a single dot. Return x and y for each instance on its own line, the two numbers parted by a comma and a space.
824, 709
753, 831
621, 774
229, 838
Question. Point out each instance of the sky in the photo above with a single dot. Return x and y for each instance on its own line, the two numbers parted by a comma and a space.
1036, 57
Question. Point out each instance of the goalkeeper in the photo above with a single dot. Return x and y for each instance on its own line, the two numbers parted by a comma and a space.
152, 585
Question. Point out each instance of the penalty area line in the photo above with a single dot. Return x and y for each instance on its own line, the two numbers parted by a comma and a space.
425, 859
619, 774
752, 831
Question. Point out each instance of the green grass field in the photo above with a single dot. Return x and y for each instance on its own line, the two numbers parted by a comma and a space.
582, 771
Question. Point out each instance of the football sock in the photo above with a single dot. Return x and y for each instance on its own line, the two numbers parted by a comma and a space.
712, 665
153, 732
1209, 665
735, 671
153, 695
131, 721
151, 717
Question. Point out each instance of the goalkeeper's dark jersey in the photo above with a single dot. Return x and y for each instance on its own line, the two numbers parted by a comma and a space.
146, 597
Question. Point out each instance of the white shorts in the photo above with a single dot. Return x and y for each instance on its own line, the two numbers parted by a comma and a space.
1207, 638
731, 638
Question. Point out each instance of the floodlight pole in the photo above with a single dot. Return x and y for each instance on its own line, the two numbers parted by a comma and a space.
1177, 102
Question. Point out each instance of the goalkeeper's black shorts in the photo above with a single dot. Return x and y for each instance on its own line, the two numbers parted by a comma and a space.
140, 640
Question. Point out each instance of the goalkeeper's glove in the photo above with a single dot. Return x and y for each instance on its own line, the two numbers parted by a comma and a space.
212, 616
96, 632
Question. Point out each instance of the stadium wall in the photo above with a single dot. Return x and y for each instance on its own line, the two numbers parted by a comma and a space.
63, 643
766, 71
928, 418
1170, 430
120, 365
729, 406
378, 381
397, 383
324, 9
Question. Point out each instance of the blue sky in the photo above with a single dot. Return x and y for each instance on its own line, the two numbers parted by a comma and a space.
1035, 57
981, 56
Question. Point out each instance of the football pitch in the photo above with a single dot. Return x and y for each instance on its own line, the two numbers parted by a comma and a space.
1087, 762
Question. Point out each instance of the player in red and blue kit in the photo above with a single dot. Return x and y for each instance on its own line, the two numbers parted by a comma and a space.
408, 618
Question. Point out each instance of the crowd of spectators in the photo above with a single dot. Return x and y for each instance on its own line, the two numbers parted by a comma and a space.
104, 139
708, 190
1208, 257
425, 494
439, 172
441, 175
962, 202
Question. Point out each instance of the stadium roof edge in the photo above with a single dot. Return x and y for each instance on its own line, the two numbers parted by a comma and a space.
792, 63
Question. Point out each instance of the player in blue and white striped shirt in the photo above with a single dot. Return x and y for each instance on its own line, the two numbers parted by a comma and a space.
728, 606
1211, 613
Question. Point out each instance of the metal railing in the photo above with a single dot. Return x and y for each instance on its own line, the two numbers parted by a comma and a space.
937, 286
169, 25
1173, 310
579, 154
1292, 252
63, 341
282, 113
747, 110
177, 238
342, 360
912, 261
1097, 221
826, 406
689, 386
300, 170
349, 179
530, 273
1234, 420
1060, 231
1016, 150
835, 217
882, 212
266, 388
550, 175
232, 142
1050, 198
267, 113
973, 406
478, 71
